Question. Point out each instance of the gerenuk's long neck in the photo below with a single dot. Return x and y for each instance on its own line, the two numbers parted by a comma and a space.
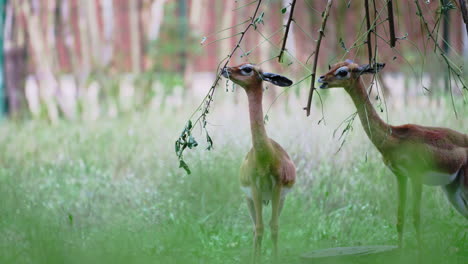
376, 129
260, 141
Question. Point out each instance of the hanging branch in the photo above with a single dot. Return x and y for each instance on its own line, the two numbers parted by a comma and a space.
317, 49
186, 139
288, 25
464, 11
391, 23
369, 44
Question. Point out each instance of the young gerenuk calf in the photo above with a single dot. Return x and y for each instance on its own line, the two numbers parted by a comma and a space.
267, 173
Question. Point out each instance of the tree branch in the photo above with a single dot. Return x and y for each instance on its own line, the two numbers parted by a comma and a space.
464, 11
369, 44
317, 50
288, 25
391, 23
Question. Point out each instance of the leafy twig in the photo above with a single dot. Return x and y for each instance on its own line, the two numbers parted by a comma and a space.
348, 127
288, 25
317, 49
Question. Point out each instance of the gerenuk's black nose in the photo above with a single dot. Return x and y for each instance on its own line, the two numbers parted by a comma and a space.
225, 72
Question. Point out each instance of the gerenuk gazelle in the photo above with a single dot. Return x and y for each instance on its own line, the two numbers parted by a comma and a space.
267, 173
426, 155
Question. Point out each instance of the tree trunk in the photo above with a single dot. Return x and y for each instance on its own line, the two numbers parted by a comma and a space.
47, 81
3, 101
15, 74
135, 35
93, 31
464, 11
183, 24
15, 60
122, 46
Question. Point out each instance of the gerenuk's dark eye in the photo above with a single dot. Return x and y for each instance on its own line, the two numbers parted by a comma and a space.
247, 70
342, 73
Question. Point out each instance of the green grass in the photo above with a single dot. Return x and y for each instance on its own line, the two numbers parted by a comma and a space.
111, 192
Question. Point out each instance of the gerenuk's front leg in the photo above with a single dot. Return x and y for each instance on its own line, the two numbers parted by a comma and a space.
257, 200
276, 204
401, 181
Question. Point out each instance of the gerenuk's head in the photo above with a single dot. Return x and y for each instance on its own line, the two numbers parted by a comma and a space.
250, 76
345, 74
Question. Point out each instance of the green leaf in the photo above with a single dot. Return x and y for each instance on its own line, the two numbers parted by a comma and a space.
210, 142
189, 125
246, 54
184, 165
177, 146
448, 6
284, 10
192, 143
259, 20
342, 44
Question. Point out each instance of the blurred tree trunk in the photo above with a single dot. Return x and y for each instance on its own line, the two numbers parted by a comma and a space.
226, 22
464, 10
157, 16
15, 61
71, 15
108, 30
341, 25
66, 40
84, 41
194, 20
135, 35
92, 29
183, 31
63, 55
43, 61
3, 101
122, 59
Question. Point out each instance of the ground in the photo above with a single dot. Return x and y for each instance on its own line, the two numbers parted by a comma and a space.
111, 192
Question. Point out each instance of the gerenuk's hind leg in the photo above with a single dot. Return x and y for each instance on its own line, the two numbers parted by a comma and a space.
417, 194
401, 180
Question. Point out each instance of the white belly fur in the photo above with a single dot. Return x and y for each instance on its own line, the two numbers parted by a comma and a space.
431, 178
266, 195
434, 178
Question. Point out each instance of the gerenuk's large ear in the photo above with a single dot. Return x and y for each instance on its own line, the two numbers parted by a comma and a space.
276, 79
367, 68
